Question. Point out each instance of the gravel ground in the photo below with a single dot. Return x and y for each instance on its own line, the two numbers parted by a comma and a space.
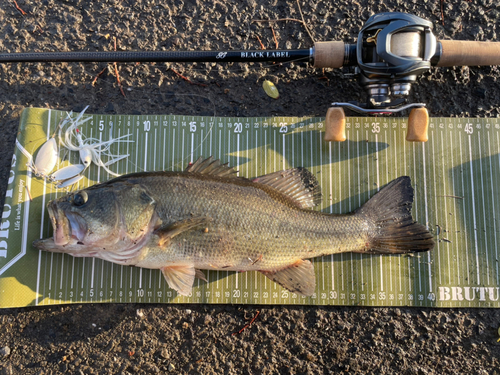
144, 339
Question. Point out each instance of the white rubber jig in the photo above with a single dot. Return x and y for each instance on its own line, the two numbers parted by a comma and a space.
90, 149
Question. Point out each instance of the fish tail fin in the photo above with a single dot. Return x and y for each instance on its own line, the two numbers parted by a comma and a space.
390, 211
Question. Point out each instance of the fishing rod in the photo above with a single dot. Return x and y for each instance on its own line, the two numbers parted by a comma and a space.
392, 50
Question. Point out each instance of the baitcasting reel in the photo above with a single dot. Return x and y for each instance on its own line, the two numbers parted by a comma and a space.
392, 50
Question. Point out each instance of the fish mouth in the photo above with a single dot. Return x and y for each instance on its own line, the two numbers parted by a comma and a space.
69, 227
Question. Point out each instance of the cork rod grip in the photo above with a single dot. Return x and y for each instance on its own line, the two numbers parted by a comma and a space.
328, 54
469, 53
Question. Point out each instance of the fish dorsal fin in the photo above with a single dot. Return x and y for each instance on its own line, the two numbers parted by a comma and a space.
212, 167
297, 278
180, 277
296, 183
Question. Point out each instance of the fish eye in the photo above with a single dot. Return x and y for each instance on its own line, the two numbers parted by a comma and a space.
80, 198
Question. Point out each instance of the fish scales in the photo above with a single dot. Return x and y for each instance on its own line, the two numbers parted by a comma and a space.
207, 218
247, 222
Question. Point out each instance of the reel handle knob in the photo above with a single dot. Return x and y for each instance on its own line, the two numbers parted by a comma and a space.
418, 123
335, 125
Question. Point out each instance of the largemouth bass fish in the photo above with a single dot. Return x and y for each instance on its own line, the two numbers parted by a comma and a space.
208, 218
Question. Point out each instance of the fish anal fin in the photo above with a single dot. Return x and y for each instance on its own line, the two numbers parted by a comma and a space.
211, 166
167, 232
297, 278
298, 184
180, 278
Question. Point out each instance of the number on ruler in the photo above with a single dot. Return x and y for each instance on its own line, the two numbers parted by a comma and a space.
238, 127
283, 127
101, 125
147, 125
192, 126
469, 129
375, 127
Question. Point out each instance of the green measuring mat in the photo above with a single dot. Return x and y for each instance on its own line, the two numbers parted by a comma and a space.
455, 174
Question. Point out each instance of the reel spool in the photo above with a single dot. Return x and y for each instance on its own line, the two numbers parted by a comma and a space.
393, 49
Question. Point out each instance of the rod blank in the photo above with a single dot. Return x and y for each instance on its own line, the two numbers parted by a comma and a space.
160, 56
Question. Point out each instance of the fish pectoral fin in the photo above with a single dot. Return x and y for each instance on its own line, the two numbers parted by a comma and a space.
200, 275
180, 278
167, 232
297, 278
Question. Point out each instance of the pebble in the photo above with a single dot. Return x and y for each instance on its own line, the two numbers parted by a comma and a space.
310, 357
7, 370
208, 319
5, 351
165, 354
171, 367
